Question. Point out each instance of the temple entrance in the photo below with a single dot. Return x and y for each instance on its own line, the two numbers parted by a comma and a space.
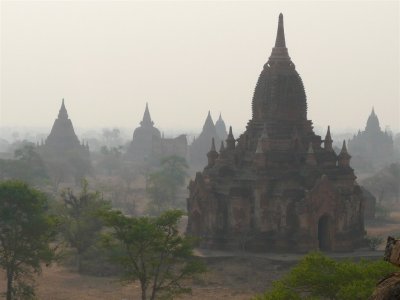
324, 233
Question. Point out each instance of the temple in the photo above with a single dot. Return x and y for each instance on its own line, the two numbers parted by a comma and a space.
149, 146
220, 128
279, 186
371, 148
63, 146
201, 145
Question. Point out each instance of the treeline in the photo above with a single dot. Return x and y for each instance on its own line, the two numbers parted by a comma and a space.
35, 230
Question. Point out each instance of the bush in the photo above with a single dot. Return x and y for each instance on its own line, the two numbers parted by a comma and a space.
319, 277
373, 242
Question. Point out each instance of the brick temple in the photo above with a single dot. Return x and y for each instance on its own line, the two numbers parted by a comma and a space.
148, 145
279, 186
371, 148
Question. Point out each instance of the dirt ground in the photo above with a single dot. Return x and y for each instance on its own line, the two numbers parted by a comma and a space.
236, 278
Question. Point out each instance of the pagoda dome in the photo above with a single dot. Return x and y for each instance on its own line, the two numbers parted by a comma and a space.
279, 94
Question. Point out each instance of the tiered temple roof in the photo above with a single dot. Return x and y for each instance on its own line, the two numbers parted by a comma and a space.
276, 186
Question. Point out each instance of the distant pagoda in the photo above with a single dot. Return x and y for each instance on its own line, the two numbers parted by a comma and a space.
201, 145
148, 146
220, 128
62, 136
371, 148
63, 146
275, 188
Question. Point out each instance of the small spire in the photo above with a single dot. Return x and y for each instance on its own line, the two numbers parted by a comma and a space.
230, 135
146, 117
280, 35
328, 134
63, 114
230, 140
344, 156
222, 148
212, 145
344, 149
328, 140
212, 155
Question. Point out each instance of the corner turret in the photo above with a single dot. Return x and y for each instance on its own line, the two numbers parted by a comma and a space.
344, 156
328, 140
230, 141
212, 155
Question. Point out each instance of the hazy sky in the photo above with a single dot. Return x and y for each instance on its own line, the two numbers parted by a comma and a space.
108, 58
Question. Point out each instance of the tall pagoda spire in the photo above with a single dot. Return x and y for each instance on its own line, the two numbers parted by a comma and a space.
280, 35
147, 122
63, 114
279, 52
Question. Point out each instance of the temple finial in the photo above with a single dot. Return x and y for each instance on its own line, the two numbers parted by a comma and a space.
146, 117
280, 35
63, 114
279, 52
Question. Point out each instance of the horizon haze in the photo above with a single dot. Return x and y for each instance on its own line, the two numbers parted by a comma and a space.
107, 59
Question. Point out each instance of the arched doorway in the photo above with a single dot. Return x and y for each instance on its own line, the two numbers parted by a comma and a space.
324, 233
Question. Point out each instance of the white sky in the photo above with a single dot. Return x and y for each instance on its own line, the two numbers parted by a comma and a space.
108, 58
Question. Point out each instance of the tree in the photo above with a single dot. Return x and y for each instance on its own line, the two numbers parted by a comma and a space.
110, 159
27, 165
112, 137
81, 219
26, 229
153, 252
319, 277
163, 185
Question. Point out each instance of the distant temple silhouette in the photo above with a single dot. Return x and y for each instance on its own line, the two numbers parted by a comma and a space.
149, 146
371, 148
201, 145
275, 188
63, 146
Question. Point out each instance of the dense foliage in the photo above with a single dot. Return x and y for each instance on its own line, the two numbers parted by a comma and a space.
163, 185
27, 165
81, 219
153, 252
26, 229
319, 277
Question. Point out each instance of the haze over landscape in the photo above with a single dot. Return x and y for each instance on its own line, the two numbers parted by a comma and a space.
107, 59
121, 176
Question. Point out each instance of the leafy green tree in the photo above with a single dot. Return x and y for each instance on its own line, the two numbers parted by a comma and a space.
27, 166
319, 277
153, 252
26, 229
81, 219
163, 185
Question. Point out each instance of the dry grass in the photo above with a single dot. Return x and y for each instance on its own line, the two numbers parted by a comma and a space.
230, 278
